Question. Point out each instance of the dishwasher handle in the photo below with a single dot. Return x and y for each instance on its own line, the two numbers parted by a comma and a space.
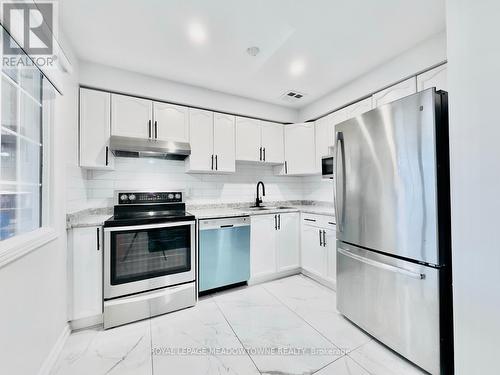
224, 223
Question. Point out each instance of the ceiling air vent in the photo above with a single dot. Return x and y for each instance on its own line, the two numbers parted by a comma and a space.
292, 96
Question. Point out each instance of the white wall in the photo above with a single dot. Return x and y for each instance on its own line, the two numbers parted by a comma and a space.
33, 311
416, 59
473, 78
109, 78
143, 174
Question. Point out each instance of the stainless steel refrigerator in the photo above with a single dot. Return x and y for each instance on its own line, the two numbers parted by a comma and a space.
392, 198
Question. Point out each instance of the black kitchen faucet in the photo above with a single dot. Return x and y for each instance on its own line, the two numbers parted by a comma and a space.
258, 200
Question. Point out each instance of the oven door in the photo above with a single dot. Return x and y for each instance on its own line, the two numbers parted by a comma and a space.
145, 257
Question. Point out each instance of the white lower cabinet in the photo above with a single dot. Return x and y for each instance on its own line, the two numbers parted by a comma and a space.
318, 251
85, 273
274, 245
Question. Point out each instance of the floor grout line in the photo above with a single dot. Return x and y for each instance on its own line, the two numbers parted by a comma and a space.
151, 342
302, 318
236, 335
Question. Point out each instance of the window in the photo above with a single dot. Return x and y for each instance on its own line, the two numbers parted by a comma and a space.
21, 150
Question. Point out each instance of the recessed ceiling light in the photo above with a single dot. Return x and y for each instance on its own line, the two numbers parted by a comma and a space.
297, 67
253, 51
197, 32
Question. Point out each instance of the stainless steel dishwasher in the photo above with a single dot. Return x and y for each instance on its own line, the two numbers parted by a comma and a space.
224, 252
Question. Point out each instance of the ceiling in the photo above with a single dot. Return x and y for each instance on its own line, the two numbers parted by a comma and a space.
310, 46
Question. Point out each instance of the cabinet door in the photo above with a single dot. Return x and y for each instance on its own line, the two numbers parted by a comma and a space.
171, 122
358, 108
436, 77
224, 148
201, 130
131, 117
95, 128
331, 254
86, 272
395, 92
325, 133
263, 246
248, 139
300, 151
273, 144
313, 255
288, 248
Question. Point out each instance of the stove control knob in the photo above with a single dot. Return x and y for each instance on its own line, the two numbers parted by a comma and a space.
131, 197
123, 197
177, 196
170, 196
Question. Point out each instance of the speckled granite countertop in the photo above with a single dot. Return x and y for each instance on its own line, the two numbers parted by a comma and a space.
97, 216
90, 217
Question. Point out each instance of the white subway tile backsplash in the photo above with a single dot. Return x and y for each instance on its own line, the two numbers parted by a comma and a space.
97, 187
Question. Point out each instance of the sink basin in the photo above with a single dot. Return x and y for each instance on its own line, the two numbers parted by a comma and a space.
261, 208
285, 208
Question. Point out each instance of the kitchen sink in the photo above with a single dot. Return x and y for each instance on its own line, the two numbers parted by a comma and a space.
262, 208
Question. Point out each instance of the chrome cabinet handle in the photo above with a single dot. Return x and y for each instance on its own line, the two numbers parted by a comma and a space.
320, 239
260, 153
384, 266
98, 240
156, 130
264, 152
212, 167
324, 238
216, 164
275, 222
279, 220
107, 158
150, 130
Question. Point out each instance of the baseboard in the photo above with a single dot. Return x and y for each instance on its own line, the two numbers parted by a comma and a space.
319, 279
88, 322
273, 276
51, 359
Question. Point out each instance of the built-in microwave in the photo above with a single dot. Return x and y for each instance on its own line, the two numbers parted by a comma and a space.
327, 166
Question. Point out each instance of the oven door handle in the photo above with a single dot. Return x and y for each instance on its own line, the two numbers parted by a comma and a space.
150, 226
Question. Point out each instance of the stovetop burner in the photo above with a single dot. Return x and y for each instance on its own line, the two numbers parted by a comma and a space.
139, 208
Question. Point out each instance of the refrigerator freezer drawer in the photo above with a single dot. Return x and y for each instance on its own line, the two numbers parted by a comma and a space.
395, 301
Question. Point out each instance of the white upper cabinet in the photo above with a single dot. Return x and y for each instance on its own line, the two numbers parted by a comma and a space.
300, 152
201, 130
248, 139
212, 142
224, 148
395, 92
171, 122
358, 108
437, 77
95, 128
273, 146
325, 133
259, 141
131, 117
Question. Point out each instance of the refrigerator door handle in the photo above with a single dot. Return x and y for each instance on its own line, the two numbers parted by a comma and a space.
384, 266
339, 214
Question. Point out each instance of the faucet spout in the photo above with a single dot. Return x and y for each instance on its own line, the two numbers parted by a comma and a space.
258, 200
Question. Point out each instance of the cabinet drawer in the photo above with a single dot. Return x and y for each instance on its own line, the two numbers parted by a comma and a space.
320, 221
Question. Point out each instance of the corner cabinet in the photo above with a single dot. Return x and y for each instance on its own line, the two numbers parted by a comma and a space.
259, 141
212, 142
85, 276
275, 249
300, 150
94, 129
395, 92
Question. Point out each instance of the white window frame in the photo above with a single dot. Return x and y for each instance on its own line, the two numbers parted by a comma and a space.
22, 244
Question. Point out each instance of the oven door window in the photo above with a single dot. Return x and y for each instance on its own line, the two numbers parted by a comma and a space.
145, 254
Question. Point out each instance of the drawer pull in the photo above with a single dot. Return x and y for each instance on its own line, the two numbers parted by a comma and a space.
310, 220
381, 265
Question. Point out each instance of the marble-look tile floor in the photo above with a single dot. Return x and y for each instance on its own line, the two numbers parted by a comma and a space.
287, 326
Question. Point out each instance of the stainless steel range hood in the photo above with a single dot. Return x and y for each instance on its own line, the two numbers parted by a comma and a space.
148, 148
